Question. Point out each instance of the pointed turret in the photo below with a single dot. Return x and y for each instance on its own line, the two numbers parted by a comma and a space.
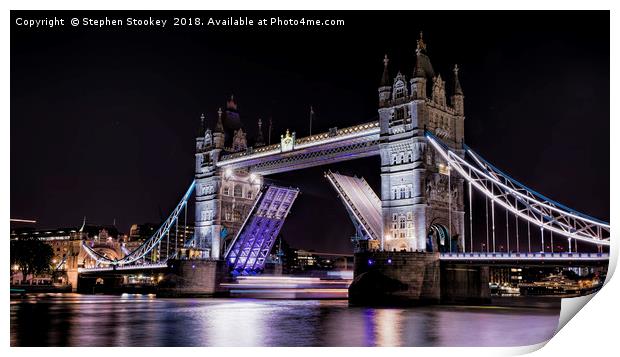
259, 137
201, 132
423, 70
457, 85
385, 79
457, 98
219, 126
384, 87
218, 133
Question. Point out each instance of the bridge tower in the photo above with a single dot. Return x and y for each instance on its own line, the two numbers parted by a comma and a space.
422, 202
223, 197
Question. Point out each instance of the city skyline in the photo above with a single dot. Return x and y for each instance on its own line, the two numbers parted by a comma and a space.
136, 148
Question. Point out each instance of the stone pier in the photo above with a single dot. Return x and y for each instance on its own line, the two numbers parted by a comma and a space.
415, 278
194, 278
395, 278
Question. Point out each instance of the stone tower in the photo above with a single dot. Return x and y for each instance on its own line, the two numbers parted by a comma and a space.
223, 196
422, 205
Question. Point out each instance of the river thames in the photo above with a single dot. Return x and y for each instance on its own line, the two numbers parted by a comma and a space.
144, 320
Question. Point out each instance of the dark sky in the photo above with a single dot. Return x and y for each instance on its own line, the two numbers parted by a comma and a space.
103, 122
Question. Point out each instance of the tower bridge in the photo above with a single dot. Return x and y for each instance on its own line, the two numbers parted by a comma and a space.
419, 222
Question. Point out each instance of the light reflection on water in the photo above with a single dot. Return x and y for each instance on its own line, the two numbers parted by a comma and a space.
138, 320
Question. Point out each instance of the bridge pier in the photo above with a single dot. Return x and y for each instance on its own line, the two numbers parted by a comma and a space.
415, 278
395, 278
99, 284
194, 278
464, 284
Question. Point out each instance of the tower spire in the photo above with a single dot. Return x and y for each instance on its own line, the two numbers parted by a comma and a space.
385, 79
457, 84
385, 90
421, 46
219, 127
203, 128
259, 137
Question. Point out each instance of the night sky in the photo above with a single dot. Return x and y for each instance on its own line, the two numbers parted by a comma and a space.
103, 122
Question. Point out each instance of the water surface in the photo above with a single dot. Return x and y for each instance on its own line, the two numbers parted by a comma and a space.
140, 320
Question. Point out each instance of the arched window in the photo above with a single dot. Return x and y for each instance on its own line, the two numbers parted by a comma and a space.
402, 192
401, 222
226, 191
399, 90
238, 192
248, 194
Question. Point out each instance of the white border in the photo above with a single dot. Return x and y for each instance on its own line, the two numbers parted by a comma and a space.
591, 332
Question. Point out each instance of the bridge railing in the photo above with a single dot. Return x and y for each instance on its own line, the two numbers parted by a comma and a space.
523, 256
124, 267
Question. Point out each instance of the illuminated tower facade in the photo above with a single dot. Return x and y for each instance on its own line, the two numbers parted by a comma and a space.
422, 202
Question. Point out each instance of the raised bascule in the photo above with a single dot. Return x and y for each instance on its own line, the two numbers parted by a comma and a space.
414, 241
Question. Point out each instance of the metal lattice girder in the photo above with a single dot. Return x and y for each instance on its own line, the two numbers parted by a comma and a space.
522, 201
361, 202
334, 146
149, 245
251, 246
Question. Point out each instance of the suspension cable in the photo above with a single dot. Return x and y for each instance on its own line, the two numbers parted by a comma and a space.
517, 226
487, 182
493, 222
471, 224
529, 240
486, 209
507, 235
450, 208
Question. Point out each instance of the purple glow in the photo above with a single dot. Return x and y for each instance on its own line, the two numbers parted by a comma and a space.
257, 236
193, 266
389, 260
370, 262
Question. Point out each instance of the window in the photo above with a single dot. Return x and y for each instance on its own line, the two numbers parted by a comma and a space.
226, 191
248, 194
399, 114
402, 222
238, 191
394, 217
400, 92
203, 215
236, 216
402, 192
409, 216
